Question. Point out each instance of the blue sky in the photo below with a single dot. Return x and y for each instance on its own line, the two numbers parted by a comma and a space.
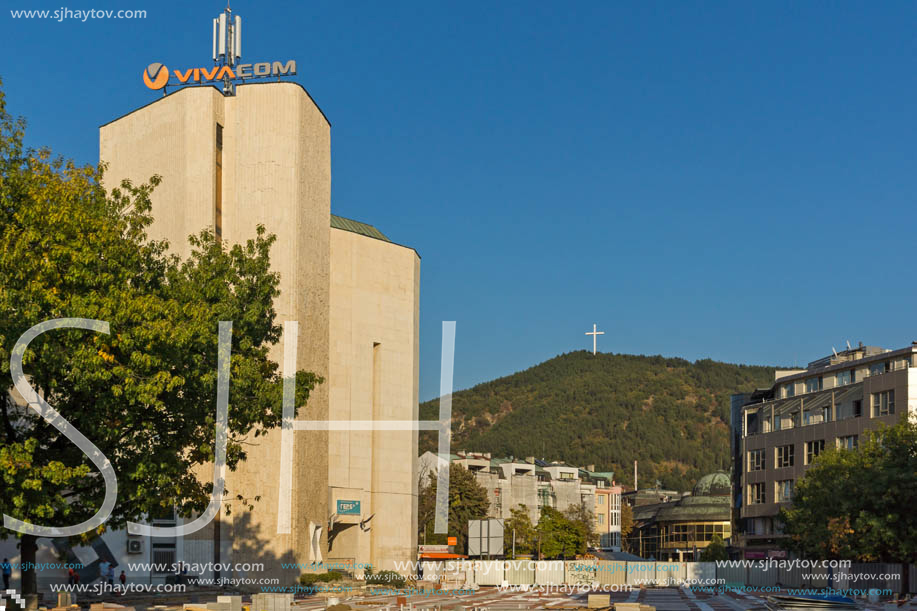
724, 180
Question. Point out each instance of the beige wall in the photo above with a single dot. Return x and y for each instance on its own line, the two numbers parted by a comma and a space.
277, 172
375, 289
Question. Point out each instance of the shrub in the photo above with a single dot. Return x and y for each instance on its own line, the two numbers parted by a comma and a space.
308, 579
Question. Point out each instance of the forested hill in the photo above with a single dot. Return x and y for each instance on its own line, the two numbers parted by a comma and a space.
609, 409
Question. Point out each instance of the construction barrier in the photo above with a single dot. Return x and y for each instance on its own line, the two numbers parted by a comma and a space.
549, 572
734, 576
670, 573
489, 572
580, 572
641, 573
700, 573
611, 572
520, 572
863, 577
432, 570
762, 579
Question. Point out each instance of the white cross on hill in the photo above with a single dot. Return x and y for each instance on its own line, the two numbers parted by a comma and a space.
594, 333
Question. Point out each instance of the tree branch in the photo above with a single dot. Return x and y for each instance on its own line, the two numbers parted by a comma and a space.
7, 423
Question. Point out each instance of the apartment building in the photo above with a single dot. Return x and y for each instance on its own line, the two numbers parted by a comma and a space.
608, 517
511, 482
779, 431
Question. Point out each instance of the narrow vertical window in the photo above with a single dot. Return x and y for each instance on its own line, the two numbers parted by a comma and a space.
218, 177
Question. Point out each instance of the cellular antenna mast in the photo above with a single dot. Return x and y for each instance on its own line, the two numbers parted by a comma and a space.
227, 43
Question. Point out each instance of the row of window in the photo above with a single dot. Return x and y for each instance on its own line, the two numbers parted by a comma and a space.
615, 500
843, 378
783, 492
614, 519
785, 456
881, 404
685, 533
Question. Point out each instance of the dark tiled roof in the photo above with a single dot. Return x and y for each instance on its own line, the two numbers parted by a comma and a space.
339, 222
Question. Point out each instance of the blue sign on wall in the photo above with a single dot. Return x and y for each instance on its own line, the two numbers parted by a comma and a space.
348, 508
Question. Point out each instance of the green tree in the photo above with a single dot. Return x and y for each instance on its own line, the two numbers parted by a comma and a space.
627, 520
144, 394
467, 501
519, 526
559, 537
584, 521
857, 505
715, 550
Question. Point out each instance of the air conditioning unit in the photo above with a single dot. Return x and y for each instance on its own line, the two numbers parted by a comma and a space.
135, 546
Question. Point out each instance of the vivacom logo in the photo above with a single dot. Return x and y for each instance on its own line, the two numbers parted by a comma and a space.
156, 76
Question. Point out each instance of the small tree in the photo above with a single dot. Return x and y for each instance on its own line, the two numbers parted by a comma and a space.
627, 526
584, 520
558, 537
519, 525
715, 550
467, 501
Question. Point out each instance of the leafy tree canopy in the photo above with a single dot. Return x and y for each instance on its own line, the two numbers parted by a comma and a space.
715, 550
144, 394
858, 504
559, 537
467, 501
519, 528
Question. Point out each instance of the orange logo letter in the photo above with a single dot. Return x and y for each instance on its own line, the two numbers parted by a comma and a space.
156, 76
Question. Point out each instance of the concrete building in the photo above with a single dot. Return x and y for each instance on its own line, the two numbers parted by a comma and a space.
259, 153
608, 517
511, 482
263, 156
780, 430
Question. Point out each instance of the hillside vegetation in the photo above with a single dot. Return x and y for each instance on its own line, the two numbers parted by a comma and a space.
670, 414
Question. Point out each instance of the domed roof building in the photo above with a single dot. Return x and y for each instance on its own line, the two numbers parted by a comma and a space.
713, 484
680, 529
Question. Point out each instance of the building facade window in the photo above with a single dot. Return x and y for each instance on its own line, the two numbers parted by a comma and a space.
756, 494
844, 378
789, 390
849, 442
756, 460
815, 384
883, 403
878, 368
218, 186
785, 456
813, 449
601, 517
784, 491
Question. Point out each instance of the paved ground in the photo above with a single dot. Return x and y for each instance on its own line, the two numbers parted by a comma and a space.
663, 599
494, 599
